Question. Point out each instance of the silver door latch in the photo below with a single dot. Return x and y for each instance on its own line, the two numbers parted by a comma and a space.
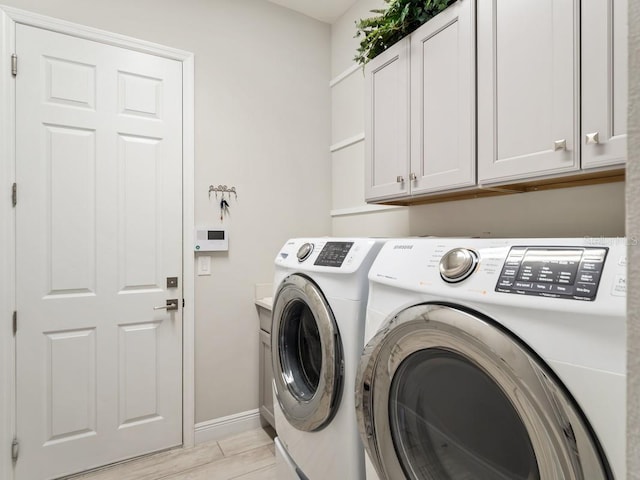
172, 305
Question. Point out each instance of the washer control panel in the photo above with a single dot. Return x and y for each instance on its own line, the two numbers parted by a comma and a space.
333, 254
558, 272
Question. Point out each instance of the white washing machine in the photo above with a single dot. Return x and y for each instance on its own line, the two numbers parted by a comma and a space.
493, 359
317, 335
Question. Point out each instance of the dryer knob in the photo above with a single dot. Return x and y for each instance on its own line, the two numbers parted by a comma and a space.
458, 264
304, 251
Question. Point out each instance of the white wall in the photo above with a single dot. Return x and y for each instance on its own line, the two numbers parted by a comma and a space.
633, 230
262, 120
350, 215
593, 211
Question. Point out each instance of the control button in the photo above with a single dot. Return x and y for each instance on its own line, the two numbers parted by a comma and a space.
304, 251
526, 285
541, 287
588, 277
619, 286
594, 255
591, 266
457, 264
544, 278
509, 272
585, 290
562, 289
505, 282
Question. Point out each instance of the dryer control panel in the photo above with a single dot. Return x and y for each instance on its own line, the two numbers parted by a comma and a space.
557, 272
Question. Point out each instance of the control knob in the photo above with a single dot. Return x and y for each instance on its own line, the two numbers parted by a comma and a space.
304, 251
458, 264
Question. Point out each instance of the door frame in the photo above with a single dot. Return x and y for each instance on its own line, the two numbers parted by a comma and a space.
9, 17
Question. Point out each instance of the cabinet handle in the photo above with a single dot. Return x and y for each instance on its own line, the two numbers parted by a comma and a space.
399, 179
560, 145
412, 177
592, 138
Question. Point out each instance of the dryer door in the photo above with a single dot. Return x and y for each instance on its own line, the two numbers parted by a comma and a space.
307, 357
446, 394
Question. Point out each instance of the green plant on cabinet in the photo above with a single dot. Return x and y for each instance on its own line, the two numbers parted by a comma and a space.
396, 21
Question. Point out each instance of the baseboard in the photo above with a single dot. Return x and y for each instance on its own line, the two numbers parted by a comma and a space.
222, 427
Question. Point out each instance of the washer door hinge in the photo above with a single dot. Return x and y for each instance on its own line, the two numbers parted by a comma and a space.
14, 194
15, 449
15, 323
14, 65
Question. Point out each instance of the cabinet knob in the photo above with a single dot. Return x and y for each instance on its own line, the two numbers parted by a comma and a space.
412, 177
399, 179
560, 144
592, 138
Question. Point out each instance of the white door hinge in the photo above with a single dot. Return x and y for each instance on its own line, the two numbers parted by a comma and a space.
15, 449
15, 322
14, 194
14, 65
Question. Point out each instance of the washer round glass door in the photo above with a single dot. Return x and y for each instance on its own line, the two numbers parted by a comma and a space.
444, 394
307, 354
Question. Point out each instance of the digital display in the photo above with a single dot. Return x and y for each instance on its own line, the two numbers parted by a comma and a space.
215, 234
333, 254
572, 273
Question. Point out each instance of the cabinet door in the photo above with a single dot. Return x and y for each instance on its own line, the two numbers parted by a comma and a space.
604, 82
387, 123
527, 89
443, 101
266, 379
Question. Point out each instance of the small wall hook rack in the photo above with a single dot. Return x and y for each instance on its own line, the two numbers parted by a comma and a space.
223, 189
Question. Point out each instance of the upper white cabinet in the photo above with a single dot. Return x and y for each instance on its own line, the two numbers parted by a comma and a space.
387, 123
549, 81
527, 88
420, 110
604, 82
443, 101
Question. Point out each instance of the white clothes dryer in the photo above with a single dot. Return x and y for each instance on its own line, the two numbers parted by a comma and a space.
317, 334
493, 359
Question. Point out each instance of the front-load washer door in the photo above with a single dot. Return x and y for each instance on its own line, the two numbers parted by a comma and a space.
443, 393
308, 363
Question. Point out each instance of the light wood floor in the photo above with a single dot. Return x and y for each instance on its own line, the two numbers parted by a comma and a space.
247, 456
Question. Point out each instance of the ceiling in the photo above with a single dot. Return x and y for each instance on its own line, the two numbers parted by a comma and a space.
324, 10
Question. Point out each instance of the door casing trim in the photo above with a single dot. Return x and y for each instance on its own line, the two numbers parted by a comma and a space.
9, 17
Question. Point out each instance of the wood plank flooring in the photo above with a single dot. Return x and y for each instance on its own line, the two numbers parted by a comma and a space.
246, 456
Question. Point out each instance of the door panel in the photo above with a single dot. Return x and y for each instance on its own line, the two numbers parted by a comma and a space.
99, 228
527, 89
71, 367
443, 101
604, 82
387, 123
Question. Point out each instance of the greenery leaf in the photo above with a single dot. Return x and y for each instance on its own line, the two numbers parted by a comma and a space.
399, 19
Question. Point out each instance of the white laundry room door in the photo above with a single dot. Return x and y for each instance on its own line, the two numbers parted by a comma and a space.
99, 229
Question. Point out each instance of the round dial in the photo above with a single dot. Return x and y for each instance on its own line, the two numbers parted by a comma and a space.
304, 251
458, 264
